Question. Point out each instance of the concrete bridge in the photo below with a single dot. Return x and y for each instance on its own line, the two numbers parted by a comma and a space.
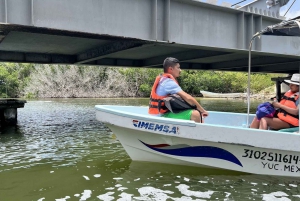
141, 33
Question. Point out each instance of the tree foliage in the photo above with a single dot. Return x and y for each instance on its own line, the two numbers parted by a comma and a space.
57, 81
41, 81
223, 82
13, 77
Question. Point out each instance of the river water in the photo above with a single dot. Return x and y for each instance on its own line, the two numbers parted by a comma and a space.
60, 152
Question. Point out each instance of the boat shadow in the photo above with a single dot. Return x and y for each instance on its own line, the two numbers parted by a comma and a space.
150, 168
154, 171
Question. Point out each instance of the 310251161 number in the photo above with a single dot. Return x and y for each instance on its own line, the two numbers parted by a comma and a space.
270, 156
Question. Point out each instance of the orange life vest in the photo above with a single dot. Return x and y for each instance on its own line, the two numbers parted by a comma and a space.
289, 99
155, 99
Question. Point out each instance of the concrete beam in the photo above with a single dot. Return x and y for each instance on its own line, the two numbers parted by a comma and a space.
104, 32
36, 57
183, 56
105, 50
118, 62
163, 20
255, 61
194, 66
291, 67
285, 67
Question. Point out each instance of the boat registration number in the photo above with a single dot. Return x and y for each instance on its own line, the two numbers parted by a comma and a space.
271, 156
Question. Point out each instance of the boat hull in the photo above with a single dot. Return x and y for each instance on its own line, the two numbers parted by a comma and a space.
237, 158
142, 153
187, 143
207, 94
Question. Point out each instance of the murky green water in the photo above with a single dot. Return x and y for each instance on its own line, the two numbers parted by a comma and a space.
60, 152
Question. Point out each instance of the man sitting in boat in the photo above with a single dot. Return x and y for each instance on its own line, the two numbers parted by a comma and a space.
165, 85
287, 114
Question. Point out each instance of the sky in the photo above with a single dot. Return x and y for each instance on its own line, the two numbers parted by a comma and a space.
293, 12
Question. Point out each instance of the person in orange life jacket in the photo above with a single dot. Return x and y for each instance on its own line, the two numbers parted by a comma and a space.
167, 84
288, 111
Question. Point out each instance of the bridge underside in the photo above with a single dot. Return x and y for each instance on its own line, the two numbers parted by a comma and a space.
49, 46
142, 33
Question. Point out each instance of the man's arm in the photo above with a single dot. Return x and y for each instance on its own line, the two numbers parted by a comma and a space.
192, 101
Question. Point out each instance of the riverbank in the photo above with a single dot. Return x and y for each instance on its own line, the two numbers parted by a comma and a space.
62, 81
266, 93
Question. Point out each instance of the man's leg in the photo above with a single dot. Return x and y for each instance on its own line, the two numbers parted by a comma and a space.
196, 116
186, 115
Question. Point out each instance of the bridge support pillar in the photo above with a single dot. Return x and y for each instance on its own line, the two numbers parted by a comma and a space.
8, 111
9, 116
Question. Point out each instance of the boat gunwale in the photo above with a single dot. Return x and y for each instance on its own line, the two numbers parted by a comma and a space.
144, 117
189, 123
208, 94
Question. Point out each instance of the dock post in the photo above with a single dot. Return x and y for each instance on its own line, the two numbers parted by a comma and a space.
9, 111
10, 116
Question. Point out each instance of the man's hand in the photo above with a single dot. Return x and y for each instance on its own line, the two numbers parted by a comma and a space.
204, 113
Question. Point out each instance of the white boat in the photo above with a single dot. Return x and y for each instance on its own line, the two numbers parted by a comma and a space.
207, 94
223, 141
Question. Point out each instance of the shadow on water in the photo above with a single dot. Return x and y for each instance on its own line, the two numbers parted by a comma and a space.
155, 180
150, 168
10, 133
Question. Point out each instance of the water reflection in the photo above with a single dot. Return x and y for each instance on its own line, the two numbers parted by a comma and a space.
148, 181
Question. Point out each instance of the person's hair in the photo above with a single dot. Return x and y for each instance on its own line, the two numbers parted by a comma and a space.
169, 62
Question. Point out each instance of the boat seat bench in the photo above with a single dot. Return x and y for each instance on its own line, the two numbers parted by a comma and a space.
290, 130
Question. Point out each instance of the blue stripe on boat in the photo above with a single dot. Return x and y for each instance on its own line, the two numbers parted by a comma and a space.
197, 151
